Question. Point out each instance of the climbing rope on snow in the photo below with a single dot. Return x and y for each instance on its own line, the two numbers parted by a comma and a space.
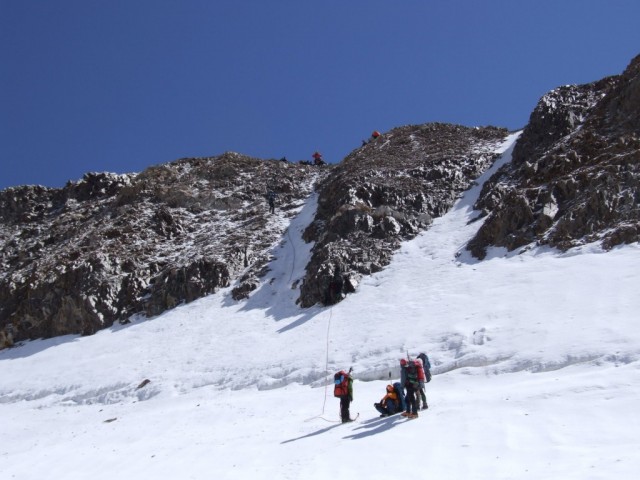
326, 372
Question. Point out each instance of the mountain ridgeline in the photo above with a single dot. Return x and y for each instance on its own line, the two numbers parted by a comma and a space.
77, 259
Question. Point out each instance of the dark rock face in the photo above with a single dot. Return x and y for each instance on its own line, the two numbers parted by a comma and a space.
575, 174
385, 192
77, 259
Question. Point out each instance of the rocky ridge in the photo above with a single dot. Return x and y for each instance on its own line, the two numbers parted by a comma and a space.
78, 259
575, 174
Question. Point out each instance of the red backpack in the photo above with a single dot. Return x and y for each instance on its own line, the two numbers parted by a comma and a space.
420, 369
341, 384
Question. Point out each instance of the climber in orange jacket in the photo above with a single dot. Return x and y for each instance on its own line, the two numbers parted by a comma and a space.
389, 403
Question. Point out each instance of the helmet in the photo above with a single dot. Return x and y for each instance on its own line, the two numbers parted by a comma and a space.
403, 362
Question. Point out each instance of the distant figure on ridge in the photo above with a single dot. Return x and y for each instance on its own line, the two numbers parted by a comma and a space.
271, 198
317, 159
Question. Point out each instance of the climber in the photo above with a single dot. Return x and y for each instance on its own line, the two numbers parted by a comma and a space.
409, 374
343, 389
389, 403
317, 159
271, 198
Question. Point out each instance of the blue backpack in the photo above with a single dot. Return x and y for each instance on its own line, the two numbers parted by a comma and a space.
341, 384
426, 365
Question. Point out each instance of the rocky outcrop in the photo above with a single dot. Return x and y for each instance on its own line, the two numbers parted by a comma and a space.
78, 259
386, 192
575, 174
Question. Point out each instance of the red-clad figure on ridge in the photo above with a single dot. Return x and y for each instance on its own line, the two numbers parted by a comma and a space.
317, 159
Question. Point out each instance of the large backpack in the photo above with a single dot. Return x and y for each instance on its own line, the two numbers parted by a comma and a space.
341, 384
426, 365
412, 374
421, 376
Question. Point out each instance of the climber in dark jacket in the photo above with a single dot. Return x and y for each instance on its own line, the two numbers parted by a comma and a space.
271, 197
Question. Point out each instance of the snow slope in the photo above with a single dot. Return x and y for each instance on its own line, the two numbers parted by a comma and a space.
536, 358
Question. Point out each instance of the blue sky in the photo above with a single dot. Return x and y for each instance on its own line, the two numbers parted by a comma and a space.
120, 85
